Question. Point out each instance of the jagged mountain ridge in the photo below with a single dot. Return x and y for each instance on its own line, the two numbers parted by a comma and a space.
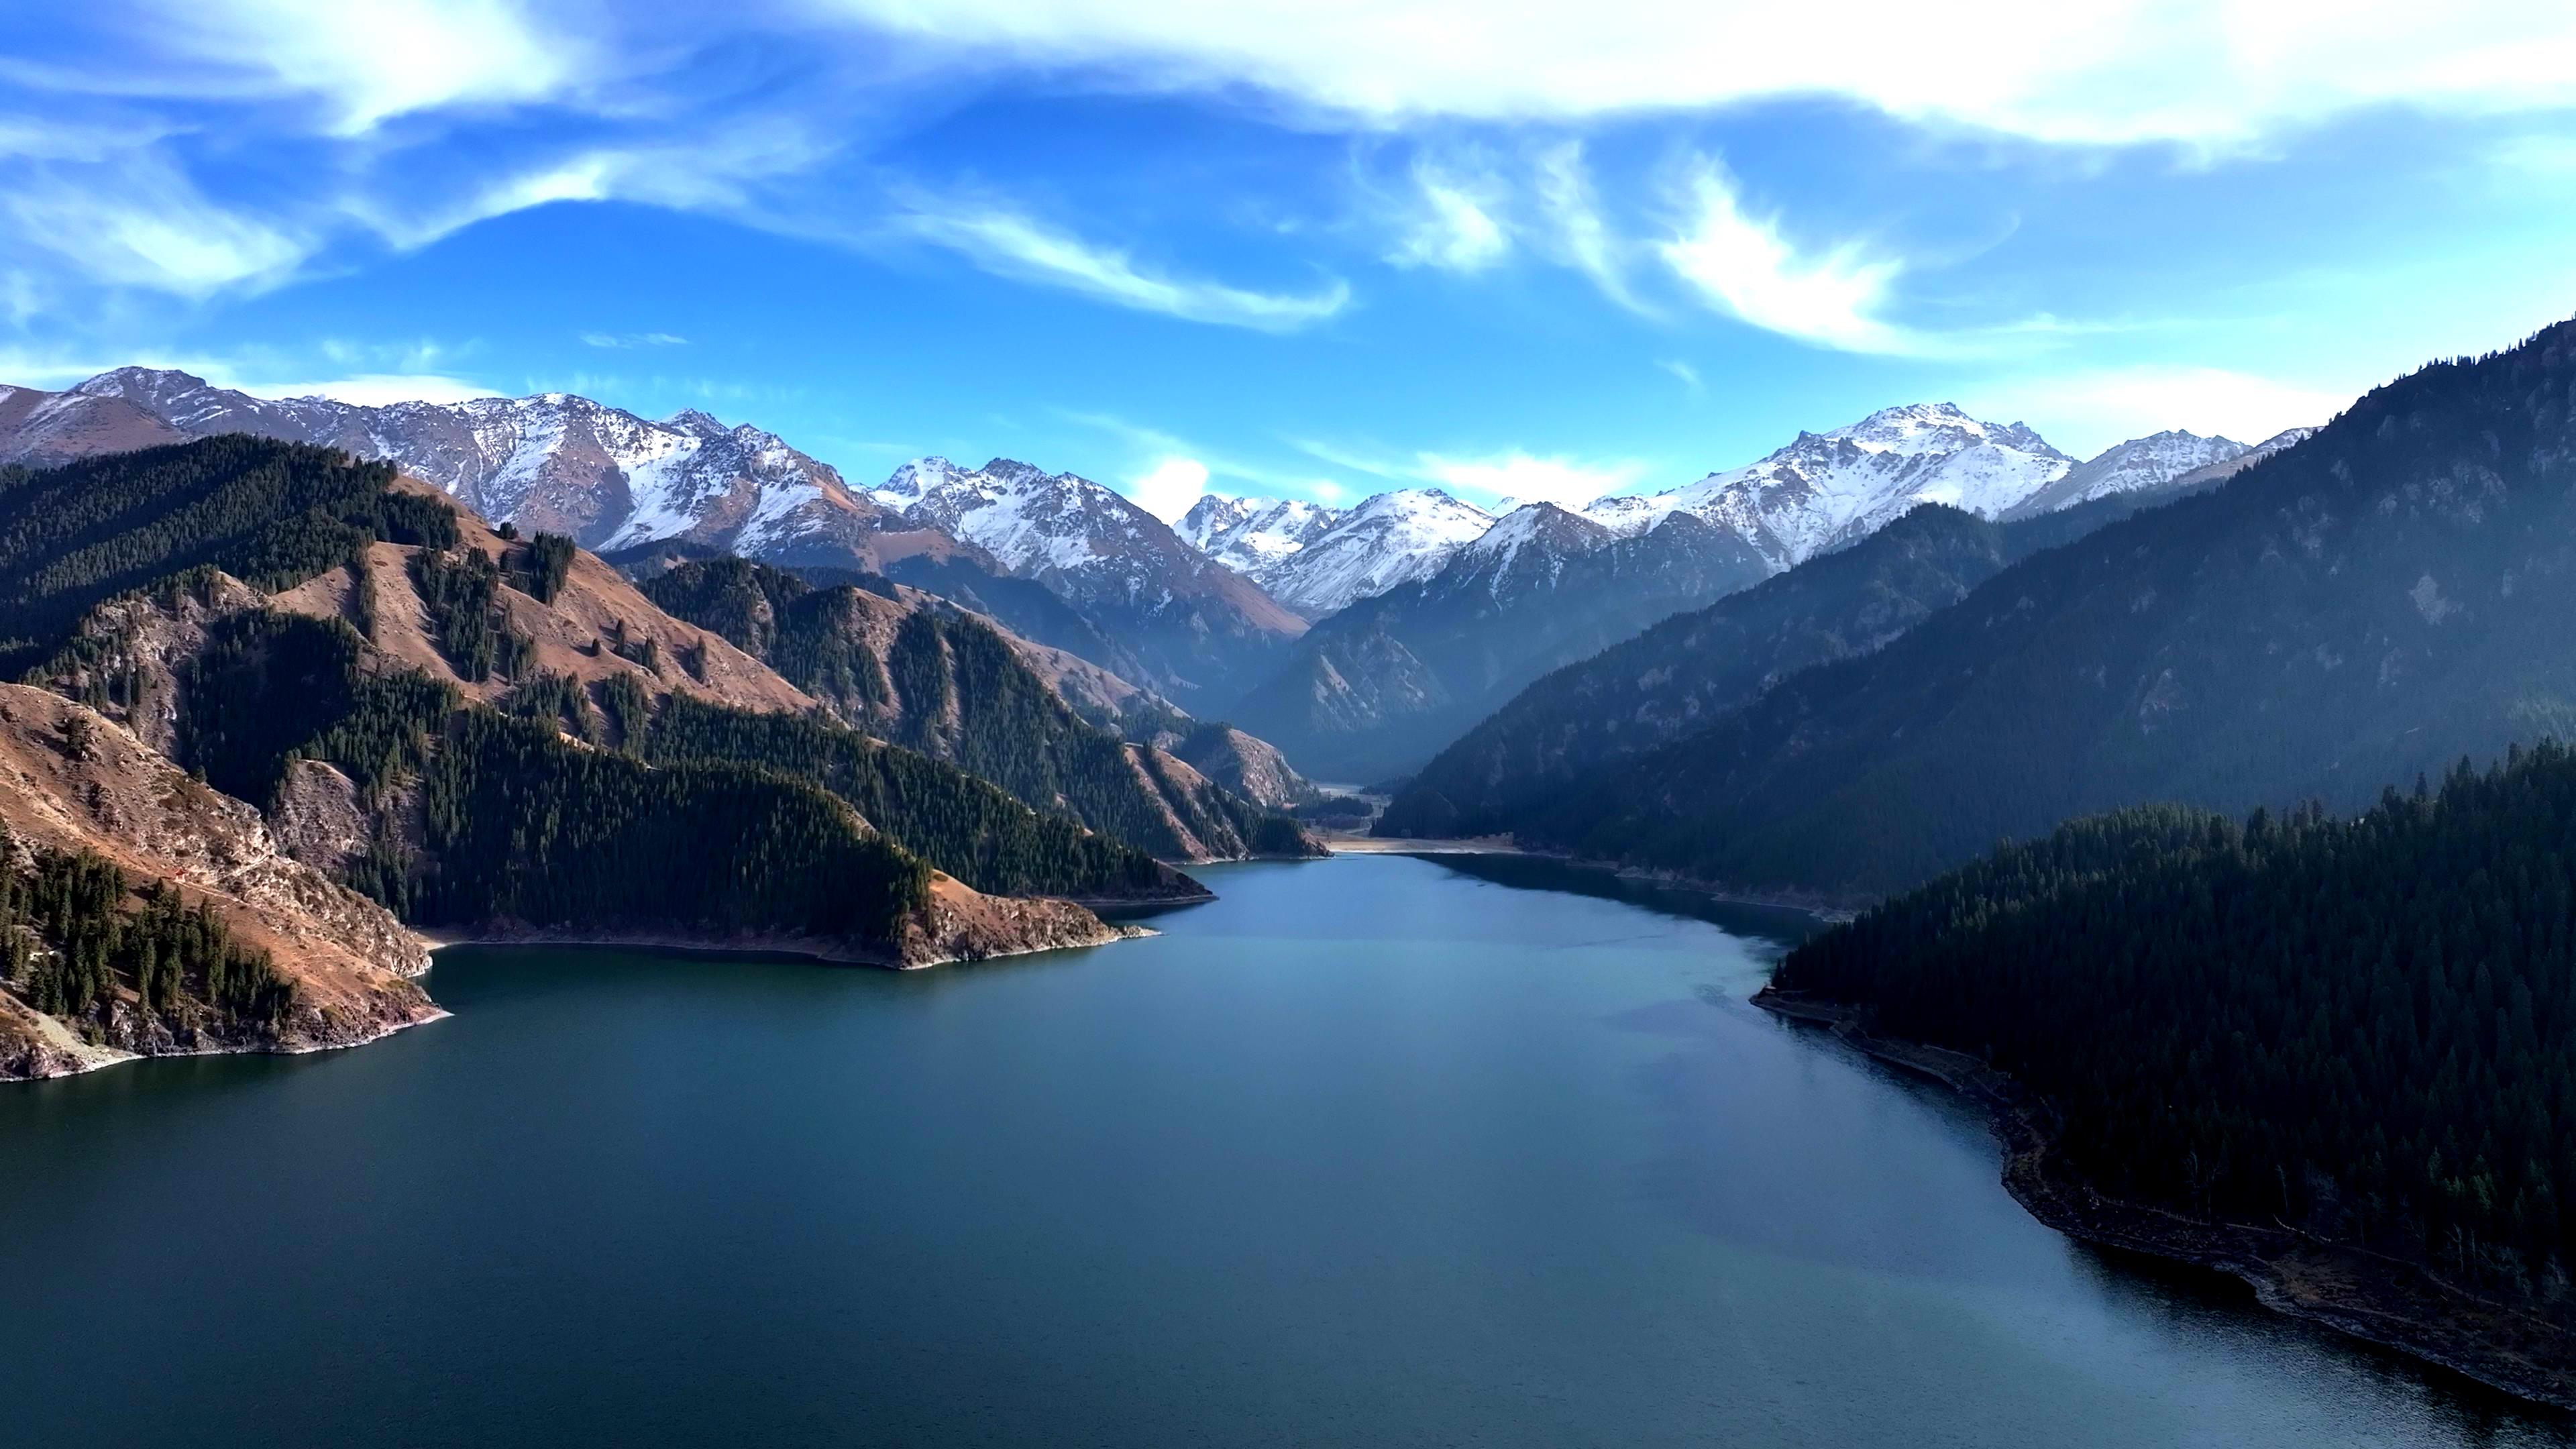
2140, 465
617, 482
1826, 489
1250, 534
383, 612
1691, 669
1368, 677
554, 461
1202, 632
1317, 560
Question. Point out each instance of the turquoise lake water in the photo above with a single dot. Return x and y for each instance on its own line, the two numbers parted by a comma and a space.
1369, 1151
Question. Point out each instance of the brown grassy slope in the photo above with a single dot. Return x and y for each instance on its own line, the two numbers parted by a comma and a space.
573, 633
347, 960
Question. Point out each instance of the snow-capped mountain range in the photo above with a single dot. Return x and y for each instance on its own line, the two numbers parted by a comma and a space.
554, 461
1829, 488
2148, 462
1061, 528
1246, 534
1317, 560
1196, 609
1199, 624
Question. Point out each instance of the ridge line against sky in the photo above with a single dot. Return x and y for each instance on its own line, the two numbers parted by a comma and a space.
1309, 248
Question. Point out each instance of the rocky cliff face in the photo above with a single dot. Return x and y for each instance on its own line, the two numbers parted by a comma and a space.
72, 780
1249, 766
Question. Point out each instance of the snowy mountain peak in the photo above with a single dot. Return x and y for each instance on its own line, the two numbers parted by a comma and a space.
555, 461
1317, 560
1035, 522
1825, 489
1090, 543
140, 384
2133, 466
1247, 534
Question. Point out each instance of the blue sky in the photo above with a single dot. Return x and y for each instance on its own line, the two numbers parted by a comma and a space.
1322, 248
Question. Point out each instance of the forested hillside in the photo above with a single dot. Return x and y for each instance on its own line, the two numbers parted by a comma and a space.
272, 514
1380, 687
2379, 600
905, 668
265, 689
2363, 1028
971, 829
76, 935
463, 720
1689, 670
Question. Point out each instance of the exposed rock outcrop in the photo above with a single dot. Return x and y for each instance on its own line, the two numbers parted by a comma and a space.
346, 960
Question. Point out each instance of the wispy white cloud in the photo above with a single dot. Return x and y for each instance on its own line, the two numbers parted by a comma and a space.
366, 63
1684, 372
374, 389
1154, 449
2202, 73
1352, 460
135, 220
627, 340
1011, 243
259, 376
1454, 227
1743, 266
1584, 240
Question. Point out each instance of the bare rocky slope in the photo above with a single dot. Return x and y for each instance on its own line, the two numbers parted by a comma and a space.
73, 781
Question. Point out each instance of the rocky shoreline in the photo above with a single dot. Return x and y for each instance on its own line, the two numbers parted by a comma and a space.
2358, 1293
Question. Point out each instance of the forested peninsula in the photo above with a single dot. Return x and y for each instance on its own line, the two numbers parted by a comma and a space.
2336, 1058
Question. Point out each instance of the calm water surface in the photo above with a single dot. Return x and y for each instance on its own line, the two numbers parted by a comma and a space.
1369, 1151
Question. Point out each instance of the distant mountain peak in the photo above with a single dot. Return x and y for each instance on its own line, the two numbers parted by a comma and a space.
1318, 559
1826, 489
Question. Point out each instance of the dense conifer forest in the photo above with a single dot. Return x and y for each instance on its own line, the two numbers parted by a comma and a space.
952, 688
621, 825
967, 827
527, 828
272, 514
2362, 1028
75, 933
1682, 674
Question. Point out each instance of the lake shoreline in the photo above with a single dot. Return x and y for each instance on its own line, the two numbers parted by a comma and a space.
1829, 910
2362, 1295
801, 948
